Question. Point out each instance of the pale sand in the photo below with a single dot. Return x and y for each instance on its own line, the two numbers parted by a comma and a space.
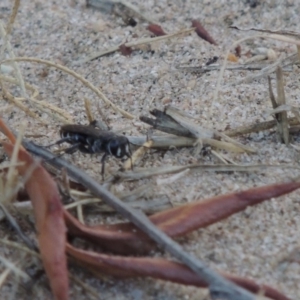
250, 243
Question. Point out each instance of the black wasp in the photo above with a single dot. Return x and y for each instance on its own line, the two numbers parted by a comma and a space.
90, 139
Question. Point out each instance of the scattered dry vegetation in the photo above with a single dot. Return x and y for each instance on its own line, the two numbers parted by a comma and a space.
61, 198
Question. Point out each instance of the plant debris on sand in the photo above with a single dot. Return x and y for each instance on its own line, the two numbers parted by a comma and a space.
221, 144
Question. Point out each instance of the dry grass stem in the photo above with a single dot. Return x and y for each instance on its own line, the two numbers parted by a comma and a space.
169, 141
26, 176
24, 207
263, 73
298, 52
14, 269
77, 76
58, 113
165, 141
281, 35
10, 79
12, 174
233, 147
158, 38
12, 17
6, 109
80, 193
220, 157
283, 125
6, 165
173, 178
235, 67
286, 108
20, 105
154, 203
88, 110
139, 192
93, 56
9, 48
12, 186
4, 276
82, 202
257, 127
141, 173
272, 96
80, 213
151, 206
19, 246
53, 111
87, 288
233, 142
133, 197
137, 155
65, 182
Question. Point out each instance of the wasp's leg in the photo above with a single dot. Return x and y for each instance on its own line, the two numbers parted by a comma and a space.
69, 150
85, 149
66, 139
72, 149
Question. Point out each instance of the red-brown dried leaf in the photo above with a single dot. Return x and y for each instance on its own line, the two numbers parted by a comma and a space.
157, 268
5, 130
48, 212
180, 220
156, 29
201, 31
50, 225
126, 238
126, 51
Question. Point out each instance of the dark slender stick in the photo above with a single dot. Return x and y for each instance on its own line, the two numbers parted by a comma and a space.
220, 288
17, 228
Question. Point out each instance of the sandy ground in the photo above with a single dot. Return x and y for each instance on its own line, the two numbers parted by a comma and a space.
249, 244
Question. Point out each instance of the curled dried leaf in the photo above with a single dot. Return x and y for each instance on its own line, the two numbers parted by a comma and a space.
158, 268
201, 31
109, 237
156, 29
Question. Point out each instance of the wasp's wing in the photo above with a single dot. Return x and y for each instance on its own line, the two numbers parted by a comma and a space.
88, 131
